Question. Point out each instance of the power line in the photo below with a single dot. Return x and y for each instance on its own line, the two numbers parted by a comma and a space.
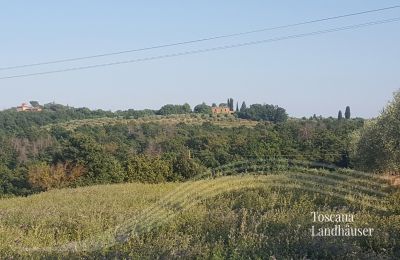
351, 27
199, 40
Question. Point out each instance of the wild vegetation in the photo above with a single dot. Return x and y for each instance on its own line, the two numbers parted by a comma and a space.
177, 183
253, 215
156, 148
377, 146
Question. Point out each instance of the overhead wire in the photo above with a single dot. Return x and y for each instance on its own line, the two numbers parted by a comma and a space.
199, 40
198, 51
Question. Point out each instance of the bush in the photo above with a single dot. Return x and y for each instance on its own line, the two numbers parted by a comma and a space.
147, 169
186, 168
377, 148
44, 177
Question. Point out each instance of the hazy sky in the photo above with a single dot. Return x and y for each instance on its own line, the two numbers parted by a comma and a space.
319, 74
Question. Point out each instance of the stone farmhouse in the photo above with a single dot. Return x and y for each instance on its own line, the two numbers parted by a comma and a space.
221, 110
24, 107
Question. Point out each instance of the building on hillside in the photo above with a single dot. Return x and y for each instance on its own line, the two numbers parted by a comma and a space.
221, 110
24, 107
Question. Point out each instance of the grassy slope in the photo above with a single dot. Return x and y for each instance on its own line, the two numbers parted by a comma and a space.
233, 216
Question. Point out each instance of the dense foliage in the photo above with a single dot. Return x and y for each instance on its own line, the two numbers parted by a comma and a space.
264, 112
377, 146
35, 158
175, 109
202, 109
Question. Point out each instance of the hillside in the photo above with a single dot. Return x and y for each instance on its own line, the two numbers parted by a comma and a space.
53, 149
76, 183
230, 216
200, 130
191, 119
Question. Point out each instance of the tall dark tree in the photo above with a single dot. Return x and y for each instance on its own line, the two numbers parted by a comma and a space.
34, 103
237, 106
230, 104
243, 107
340, 115
347, 113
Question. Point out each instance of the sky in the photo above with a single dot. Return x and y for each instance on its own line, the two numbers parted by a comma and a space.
311, 75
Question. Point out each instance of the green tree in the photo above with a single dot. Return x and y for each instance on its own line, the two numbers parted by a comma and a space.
147, 169
202, 109
186, 109
264, 112
376, 147
185, 167
340, 115
34, 103
170, 109
347, 113
243, 107
101, 167
13, 182
230, 104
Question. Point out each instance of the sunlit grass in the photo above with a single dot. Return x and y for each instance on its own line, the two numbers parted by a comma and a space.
134, 218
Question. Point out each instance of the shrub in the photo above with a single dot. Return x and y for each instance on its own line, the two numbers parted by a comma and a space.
44, 177
147, 169
378, 147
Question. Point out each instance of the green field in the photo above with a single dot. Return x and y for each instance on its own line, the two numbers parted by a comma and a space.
239, 216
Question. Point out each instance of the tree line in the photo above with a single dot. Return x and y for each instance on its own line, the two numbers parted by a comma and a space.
156, 152
33, 158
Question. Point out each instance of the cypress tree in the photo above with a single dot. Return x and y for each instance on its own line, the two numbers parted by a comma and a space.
347, 113
237, 106
340, 116
243, 107
230, 104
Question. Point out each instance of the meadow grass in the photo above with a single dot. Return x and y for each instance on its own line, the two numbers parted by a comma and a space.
240, 216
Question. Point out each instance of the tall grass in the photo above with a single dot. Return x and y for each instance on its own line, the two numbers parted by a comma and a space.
226, 217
